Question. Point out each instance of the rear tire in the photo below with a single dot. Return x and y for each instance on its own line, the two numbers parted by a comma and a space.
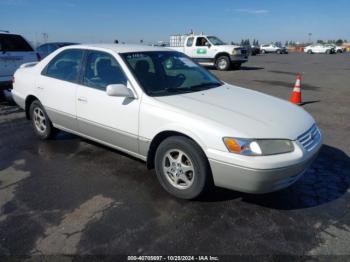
41, 122
223, 63
263, 51
278, 52
309, 52
182, 168
328, 52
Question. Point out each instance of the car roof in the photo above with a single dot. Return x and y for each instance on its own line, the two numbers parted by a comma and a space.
119, 48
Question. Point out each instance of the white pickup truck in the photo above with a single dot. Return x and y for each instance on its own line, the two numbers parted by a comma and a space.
210, 51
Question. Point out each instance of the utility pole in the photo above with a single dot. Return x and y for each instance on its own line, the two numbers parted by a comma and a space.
309, 34
45, 37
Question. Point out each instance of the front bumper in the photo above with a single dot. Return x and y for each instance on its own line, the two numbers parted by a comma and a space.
262, 180
238, 59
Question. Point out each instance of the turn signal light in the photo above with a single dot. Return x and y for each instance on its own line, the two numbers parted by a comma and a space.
232, 145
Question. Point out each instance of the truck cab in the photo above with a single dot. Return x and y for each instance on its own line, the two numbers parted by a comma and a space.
210, 51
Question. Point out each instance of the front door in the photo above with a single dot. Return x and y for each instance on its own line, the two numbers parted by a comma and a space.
201, 50
109, 119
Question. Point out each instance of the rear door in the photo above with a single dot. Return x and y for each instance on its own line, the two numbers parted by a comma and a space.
15, 51
57, 87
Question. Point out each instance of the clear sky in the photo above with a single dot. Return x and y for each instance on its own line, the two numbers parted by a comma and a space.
153, 20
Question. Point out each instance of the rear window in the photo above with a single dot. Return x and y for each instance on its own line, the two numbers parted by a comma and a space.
14, 43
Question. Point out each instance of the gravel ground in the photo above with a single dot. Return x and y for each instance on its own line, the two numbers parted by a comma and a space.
72, 196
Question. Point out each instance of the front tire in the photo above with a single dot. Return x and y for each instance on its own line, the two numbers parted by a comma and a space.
41, 123
223, 63
182, 168
263, 51
309, 52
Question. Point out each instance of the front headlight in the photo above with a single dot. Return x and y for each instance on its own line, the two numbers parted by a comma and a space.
258, 147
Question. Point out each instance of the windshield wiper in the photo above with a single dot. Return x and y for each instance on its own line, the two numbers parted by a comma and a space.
178, 90
204, 86
190, 89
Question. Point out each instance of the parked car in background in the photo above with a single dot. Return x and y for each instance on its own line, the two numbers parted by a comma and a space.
337, 49
254, 50
210, 51
271, 48
14, 51
160, 106
319, 49
46, 49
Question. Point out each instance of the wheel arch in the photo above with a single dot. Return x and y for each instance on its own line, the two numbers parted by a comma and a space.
29, 100
160, 137
221, 54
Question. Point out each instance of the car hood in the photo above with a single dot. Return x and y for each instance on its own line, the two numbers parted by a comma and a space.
228, 48
244, 112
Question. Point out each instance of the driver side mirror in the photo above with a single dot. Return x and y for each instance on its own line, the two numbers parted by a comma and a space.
208, 44
119, 90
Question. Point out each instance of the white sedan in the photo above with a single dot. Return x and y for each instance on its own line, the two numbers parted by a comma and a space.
319, 49
158, 105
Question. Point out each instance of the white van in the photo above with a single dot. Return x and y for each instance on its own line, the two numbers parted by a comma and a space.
14, 51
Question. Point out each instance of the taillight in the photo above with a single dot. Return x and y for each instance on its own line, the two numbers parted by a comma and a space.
13, 80
38, 56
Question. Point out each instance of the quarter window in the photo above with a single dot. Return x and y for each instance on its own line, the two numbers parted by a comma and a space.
189, 41
65, 66
101, 70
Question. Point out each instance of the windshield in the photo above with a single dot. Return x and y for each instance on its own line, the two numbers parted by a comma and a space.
215, 41
165, 73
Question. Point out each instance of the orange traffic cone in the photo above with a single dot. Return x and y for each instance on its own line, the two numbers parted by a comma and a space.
295, 98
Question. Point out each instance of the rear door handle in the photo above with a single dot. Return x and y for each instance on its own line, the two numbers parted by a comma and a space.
82, 99
40, 87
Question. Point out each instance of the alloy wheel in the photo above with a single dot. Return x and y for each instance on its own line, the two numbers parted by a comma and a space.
178, 169
39, 120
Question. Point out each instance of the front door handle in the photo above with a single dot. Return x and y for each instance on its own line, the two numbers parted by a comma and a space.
82, 99
40, 87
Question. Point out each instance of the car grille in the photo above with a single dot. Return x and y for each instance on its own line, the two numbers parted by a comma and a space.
311, 138
241, 51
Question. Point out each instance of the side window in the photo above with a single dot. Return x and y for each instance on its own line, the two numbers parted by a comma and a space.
101, 70
201, 41
190, 41
65, 66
